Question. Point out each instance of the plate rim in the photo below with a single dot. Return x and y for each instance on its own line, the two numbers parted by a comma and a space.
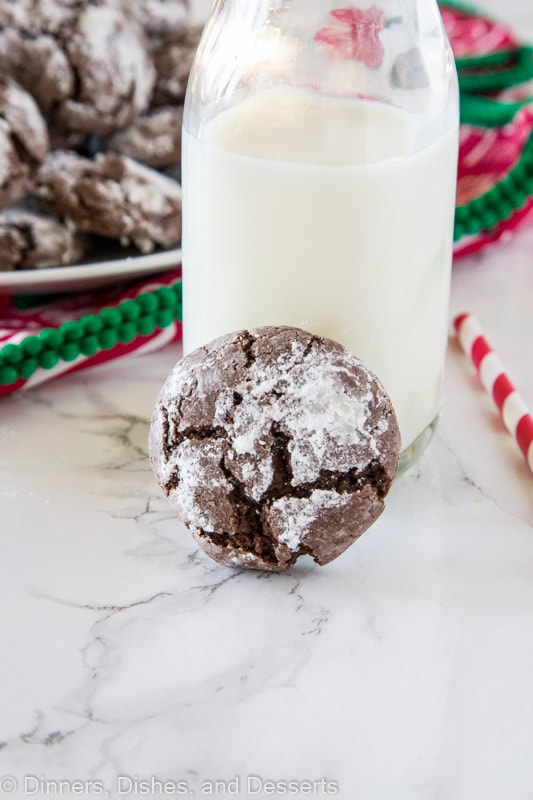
42, 279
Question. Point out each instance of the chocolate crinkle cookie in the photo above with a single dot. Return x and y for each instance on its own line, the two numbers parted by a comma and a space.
153, 139
159, 17
86, 62
273, 443
173, 56
30, 240
23, 141
112, 196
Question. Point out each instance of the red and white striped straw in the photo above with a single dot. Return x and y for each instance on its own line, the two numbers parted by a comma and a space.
511, 406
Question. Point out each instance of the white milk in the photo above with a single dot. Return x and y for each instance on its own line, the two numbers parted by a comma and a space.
336, 224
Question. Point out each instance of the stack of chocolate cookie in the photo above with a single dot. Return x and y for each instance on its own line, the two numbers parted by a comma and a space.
91, 101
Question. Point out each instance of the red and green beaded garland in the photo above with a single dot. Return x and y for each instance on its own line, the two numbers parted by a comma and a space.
479, 76
92, 333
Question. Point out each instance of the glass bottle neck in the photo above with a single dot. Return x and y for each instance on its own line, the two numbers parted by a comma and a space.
394, 51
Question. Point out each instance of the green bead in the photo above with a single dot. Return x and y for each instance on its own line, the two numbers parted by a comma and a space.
127, 332
51, 338
506, 188
12, 353
477, 205
527, 155
89, 345
494, 199
472, 224
527, 181
31, 346
72, 331
108, 338
504, 208
48, 359
513, 194
490, 218
129, 309
91, 323
459, 231
147, 302
8, 375
166, 297
69, 351
522, 188
110, 317
145, 325
461, 215
164, 318
28, 367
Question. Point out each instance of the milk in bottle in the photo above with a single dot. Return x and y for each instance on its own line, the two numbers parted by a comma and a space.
319, 190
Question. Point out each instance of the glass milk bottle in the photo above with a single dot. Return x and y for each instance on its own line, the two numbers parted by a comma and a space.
319, 170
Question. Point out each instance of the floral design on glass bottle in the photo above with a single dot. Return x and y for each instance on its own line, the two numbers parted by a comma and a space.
354, 35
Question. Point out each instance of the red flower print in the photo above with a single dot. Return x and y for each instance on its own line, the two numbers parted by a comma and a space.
356, 36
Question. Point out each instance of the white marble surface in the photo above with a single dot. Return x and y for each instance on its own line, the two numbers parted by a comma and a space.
403, 671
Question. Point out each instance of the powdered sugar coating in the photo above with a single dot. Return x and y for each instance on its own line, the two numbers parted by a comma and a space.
173, 57
113, 196
153, 139
326, 425
112, 56
159, 17
85, 61
298, 514
23, 141
30, 240
273, 442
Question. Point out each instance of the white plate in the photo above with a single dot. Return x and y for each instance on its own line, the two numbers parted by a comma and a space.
86, 276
